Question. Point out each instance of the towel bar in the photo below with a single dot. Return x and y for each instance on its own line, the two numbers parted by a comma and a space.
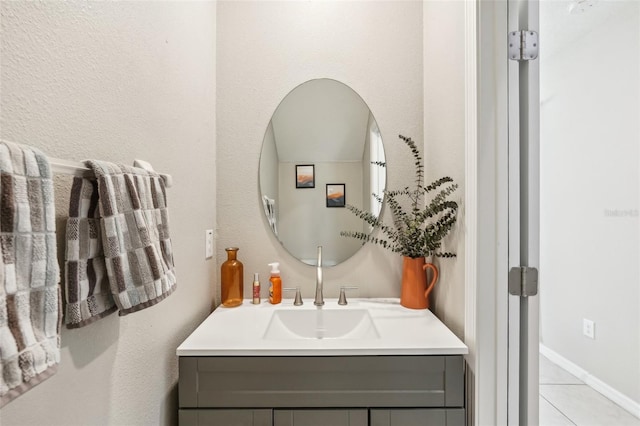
76, 168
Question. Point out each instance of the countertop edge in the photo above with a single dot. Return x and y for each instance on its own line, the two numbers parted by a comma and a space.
315, 352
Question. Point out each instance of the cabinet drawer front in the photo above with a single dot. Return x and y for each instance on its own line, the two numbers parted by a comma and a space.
225, 417
417, 417
320, 417
289, 382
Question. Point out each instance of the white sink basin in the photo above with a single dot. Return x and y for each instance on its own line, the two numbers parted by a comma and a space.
321, 323
364, 327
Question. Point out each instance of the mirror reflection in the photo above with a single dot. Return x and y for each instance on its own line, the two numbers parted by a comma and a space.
316, 157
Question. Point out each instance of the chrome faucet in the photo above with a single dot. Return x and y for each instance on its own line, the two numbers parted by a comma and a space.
319, 300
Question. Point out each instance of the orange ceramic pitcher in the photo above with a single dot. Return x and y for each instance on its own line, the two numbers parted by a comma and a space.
415, 290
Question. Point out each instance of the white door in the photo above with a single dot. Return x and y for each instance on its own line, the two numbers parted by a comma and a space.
523, 147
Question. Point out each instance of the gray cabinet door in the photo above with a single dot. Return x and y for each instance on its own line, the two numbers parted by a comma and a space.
320, 417
418, 417
239, 417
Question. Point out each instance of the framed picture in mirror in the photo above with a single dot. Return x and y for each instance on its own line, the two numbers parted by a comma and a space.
336, 195
305, 176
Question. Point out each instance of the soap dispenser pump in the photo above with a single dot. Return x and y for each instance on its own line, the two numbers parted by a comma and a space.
275, 289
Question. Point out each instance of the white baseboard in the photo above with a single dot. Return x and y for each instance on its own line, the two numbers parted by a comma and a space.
614, 395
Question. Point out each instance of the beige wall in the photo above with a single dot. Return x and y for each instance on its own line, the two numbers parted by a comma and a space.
265, 49
118, 81
444, 132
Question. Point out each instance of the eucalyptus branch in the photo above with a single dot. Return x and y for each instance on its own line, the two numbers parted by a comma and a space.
418, 229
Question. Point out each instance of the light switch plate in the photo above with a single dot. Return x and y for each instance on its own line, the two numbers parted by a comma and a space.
208, 245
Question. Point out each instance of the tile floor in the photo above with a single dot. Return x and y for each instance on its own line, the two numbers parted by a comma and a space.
565, 400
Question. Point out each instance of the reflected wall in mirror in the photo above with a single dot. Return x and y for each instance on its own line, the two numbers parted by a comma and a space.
325, 124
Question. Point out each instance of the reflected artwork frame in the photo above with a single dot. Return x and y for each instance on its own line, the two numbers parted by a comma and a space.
305, 176
336, 195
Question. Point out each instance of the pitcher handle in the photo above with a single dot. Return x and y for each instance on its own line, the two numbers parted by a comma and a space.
433, 280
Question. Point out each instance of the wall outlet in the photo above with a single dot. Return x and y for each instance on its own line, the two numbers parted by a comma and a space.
208, 244
589, 328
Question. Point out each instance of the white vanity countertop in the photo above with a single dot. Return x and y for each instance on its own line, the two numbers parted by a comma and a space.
240, 331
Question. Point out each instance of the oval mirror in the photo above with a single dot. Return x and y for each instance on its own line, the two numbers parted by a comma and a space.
316, 157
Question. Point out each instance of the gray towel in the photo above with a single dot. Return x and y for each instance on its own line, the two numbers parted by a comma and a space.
134, 225
29, 272
87, 291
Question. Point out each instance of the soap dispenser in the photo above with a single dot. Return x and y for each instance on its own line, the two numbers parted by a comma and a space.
275, 289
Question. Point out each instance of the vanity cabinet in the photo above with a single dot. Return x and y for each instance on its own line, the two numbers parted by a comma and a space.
383, 390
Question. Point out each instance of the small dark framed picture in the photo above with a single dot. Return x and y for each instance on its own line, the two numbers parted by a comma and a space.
336, 195
305, 176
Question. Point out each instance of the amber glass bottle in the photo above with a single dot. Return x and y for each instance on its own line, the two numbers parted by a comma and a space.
232, 273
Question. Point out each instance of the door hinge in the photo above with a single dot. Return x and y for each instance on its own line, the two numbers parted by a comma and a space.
523, 281
523, 45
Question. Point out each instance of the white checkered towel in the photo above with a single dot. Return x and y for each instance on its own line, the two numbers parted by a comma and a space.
129, 238
29, 272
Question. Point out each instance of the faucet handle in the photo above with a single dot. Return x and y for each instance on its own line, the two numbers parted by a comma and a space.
298, 300
343, 297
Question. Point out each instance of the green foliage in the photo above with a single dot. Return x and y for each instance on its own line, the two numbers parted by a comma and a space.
418, 227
